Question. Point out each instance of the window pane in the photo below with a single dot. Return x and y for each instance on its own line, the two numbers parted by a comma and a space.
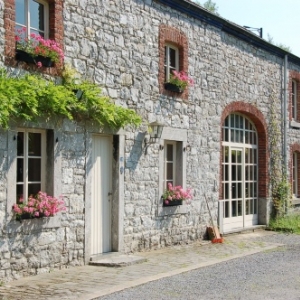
226, 213
20, 12
20, 144
19, 192
34, 144
34, 169
170, 171
33, 189
20, 169
37, 19
172, 58
169, 152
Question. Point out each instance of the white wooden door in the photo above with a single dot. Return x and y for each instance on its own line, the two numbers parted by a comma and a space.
101, 195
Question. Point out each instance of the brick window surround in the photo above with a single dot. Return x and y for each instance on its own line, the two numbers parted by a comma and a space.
258, 120
294, 76
56, 29
295, 148
171, 35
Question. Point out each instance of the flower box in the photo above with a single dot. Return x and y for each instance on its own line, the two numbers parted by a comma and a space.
173, 88
172, 203
21, 55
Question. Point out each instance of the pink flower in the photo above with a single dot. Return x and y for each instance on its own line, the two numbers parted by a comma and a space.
39, 64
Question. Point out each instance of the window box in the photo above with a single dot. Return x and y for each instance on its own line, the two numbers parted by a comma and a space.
173, 88
172, 203
29, 58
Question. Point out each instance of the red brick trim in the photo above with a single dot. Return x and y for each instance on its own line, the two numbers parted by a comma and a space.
295, 148
258, 119
293, 75
56, 30
174, 36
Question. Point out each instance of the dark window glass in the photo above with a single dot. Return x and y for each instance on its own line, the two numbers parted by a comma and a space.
34, 144
20, 12
34, 169
20, 144
37, 19
20, 167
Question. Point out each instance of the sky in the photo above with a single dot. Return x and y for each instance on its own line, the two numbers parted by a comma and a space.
278, 18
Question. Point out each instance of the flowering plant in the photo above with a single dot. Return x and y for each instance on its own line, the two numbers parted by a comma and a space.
176, 193
39, 206
36, 45
181, 79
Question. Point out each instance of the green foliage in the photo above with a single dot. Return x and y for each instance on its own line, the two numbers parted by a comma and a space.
281, 197
209, 5
30, 97
280, 45
289, 223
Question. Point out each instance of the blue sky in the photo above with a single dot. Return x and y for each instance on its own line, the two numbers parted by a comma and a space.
278, 18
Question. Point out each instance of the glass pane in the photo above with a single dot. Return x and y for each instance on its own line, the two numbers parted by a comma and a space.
37, 20
226, 212
255, 173
233, 208
239, 156
20, 169
172, 58
233, 156
232, 120
170, 171
239, 173
34, 169
234, 191
254, 138
237, 136
232, 139
19, 192
254, 156
33, 189
226, 137
226, 172
237, 121
240, 208
246, 137
20, 144
246, 124
241, 136
251, 206
233, 172
239, 190
226, 122
20, 11
34, 144
169, 152
226, 195
226, 156
255, 206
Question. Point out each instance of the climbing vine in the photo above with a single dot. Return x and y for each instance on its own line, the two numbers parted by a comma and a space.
31, 97
280, 185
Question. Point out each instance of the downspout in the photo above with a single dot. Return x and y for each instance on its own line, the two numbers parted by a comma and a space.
285, 97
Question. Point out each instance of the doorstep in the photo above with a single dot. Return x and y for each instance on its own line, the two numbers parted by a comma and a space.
245, 229
116, 259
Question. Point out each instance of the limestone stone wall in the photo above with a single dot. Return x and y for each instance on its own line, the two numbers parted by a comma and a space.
115, 44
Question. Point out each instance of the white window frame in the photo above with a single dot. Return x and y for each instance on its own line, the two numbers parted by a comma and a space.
294, 100
27, 18
25, 156
168, 67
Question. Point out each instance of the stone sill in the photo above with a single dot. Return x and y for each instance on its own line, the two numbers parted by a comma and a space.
33, 224
171, 210
295, 124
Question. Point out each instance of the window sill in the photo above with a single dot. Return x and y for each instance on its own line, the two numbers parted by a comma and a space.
171, 210
295, 124
34, 224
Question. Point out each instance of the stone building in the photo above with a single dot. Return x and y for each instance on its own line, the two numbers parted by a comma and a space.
218, 135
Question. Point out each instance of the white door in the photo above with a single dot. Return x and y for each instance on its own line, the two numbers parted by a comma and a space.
101, 195
239, 174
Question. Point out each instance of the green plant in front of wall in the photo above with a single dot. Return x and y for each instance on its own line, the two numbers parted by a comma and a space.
31, 97
280, 186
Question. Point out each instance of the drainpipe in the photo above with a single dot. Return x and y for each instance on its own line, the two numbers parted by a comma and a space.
285, 97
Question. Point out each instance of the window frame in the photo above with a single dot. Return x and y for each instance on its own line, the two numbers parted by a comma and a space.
167, 63
295, 175
294, 99
27, 18
166, 162
26, 157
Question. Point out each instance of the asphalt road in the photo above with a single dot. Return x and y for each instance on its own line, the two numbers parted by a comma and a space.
273, 274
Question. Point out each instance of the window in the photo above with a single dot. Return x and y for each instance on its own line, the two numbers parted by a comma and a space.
171, 60
294, 100
34, 16
31, 158
173, 55
169, 163
295, 173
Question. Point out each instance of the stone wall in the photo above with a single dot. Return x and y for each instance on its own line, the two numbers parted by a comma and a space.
115, 44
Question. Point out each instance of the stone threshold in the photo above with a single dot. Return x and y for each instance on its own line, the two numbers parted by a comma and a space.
115, 259
245, 229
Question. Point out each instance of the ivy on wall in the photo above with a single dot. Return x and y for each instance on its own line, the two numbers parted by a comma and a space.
30, 97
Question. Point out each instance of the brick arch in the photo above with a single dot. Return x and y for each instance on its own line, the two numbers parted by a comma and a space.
258, 120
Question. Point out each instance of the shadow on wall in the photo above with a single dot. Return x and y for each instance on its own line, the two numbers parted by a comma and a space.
136, 151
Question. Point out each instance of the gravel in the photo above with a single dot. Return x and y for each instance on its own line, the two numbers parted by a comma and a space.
271, 274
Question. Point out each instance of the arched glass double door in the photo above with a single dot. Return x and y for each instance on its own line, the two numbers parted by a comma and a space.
239, 174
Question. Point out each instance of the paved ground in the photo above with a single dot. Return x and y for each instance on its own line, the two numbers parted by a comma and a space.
91, 282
